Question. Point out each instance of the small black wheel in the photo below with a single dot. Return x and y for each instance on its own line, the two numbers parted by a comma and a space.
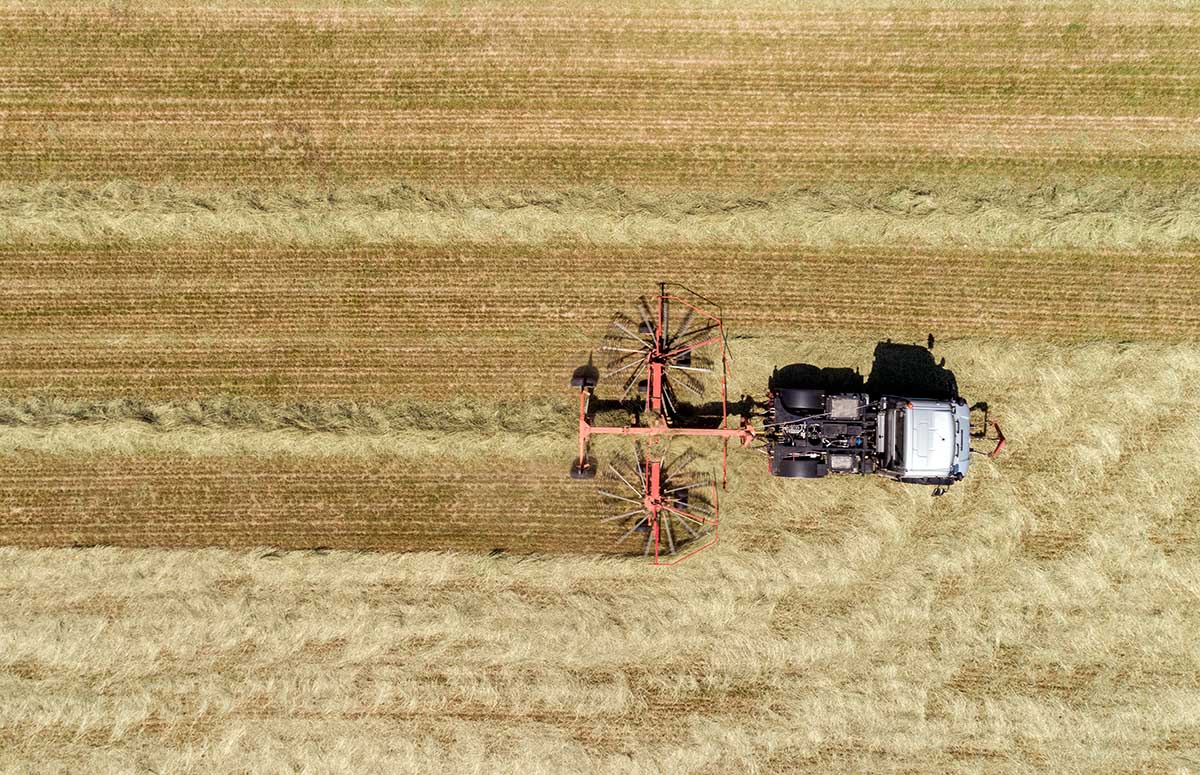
585, 471
801, 468
802, 400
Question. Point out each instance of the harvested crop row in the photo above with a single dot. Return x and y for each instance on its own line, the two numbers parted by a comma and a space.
553, 94
505, 505
428, 322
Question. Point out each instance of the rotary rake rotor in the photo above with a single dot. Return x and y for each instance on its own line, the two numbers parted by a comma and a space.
667, 507
666, 364
663, 362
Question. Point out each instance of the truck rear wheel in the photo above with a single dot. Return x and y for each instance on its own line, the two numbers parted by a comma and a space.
794, 468
803, 400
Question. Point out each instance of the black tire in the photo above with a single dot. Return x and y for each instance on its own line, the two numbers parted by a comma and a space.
802, 400
586, 471
801, 468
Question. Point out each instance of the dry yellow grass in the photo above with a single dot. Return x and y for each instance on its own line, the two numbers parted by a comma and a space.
252, 253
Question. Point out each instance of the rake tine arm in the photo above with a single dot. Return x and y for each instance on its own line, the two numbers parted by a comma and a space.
685, 348
691, 388
667, 396
607, 494
688, 528
683, 324
689, 515
636, 491
629, 333
633, 379
621, 369
629, 532
644, 311
685, 487
621, 516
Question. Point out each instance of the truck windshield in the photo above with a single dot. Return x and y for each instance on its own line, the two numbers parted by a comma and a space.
898, 438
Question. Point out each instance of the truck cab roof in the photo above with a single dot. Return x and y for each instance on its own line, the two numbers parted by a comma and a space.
932, 439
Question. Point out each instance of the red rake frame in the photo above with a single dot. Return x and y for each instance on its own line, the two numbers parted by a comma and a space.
658, 353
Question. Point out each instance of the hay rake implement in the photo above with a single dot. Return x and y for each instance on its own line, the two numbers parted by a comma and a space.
669, 362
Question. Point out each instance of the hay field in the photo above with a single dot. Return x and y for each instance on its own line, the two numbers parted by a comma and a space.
289, 296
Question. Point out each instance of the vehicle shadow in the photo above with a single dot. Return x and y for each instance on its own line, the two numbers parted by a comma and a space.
907, 370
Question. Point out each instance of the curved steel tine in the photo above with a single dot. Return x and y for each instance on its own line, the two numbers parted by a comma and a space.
649, 540
666, 523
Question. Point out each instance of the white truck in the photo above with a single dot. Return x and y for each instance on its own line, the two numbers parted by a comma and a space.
811, 434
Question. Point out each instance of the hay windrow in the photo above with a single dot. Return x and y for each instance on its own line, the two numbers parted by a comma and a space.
1100, 214
341, 418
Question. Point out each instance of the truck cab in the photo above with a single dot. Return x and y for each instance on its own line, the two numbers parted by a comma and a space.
924, 441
